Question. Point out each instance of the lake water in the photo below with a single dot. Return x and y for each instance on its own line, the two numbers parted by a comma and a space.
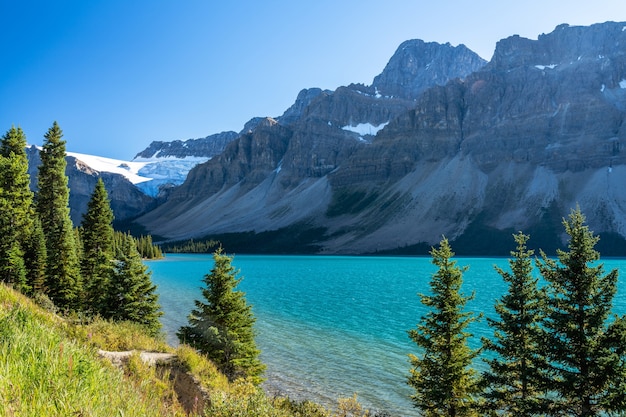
332, 326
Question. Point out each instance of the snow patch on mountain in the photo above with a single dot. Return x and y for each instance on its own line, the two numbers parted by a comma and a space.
365, 128
543, 67
128, 169
148, 174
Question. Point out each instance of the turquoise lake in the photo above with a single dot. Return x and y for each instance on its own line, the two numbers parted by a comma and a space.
332, 326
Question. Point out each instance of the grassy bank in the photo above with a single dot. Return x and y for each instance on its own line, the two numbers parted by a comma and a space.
45, 372
50, 366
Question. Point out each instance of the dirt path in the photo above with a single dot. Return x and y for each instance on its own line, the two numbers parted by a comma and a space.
149, 358
191, 395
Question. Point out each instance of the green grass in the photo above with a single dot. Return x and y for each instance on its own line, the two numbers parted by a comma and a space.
203, 369
45, 373
119, 336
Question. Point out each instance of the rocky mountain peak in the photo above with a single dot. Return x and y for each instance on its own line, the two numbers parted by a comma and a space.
305, 97
417, 65
565, 44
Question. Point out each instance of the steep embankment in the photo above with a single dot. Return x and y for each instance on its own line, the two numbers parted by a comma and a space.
46, 372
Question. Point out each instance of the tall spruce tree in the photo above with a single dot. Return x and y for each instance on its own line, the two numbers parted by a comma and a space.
35, 258
16, 215
132, 295
515, 380
222, 327
12, 269
63, 281
584, 343
442, 377
97, 249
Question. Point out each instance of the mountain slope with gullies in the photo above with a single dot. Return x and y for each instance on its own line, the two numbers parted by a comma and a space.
509, 145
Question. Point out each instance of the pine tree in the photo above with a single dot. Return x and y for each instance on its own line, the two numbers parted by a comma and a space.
586, 350
63, 281
132, 295
118, 243
15, 207
97, 249
35, 258
12, 269
144, 245
222, 327
515, 379
444, 382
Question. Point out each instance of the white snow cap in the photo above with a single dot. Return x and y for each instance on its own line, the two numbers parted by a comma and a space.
126, 168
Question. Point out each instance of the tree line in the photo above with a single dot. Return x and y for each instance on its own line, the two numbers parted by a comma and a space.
91, 269
192, 246
557, 349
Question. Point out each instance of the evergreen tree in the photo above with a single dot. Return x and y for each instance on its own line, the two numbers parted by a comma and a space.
12, 269
147, 248
63, 281
444, 383
144, 245
15, 207
97, 249
222, 327
514, 381
132, 295
118, 243
35, 258
586, 350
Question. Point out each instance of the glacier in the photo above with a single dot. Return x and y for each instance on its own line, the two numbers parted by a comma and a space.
150, 175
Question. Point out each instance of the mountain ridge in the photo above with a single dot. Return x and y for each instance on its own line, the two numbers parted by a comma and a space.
476, 155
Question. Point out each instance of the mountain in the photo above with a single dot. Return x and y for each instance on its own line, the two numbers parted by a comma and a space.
204, 147
474, 154
119, 177
133, 186
417, 65
272, 166
168, 163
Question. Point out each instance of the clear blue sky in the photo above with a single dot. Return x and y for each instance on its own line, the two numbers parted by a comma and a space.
117, 74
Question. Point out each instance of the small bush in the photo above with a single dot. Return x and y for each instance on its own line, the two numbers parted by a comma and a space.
43, 301
350, 407
300, 408
256, 405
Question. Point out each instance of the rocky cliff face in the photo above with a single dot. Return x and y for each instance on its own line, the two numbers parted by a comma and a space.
438, 144
204, 147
